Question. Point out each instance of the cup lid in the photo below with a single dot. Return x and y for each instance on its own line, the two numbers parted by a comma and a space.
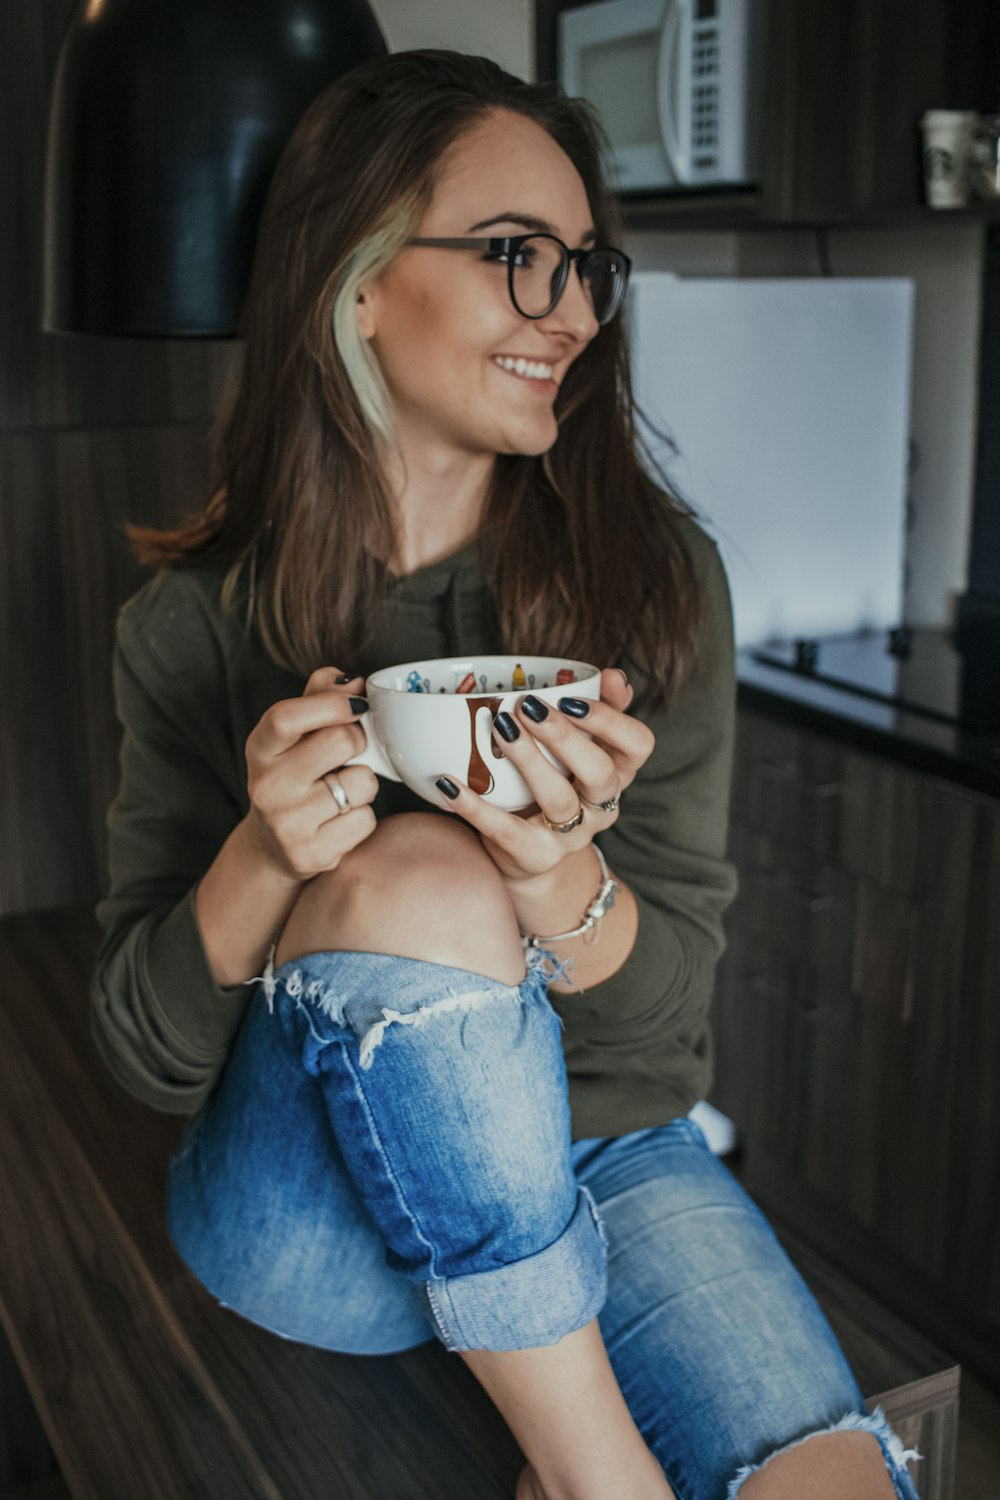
948, 116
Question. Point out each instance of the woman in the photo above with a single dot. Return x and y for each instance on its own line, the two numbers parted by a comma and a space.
431, 452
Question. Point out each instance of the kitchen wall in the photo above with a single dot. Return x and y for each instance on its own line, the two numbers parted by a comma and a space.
945, 262
501, 29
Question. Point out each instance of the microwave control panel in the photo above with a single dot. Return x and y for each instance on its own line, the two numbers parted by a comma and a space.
705, 85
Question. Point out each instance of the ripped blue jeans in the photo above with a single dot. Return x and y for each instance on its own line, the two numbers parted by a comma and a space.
387, 1159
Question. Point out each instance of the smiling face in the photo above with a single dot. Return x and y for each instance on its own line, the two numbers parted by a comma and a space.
441, 322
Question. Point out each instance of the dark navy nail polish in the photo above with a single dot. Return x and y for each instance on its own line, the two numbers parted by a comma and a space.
507, 727
534, 708
448, 787
343, 678
358, 705
577, 708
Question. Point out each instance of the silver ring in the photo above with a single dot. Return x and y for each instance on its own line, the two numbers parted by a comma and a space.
610, 806
337, 793
574, 822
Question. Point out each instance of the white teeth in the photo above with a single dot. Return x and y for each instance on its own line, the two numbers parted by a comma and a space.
533, 369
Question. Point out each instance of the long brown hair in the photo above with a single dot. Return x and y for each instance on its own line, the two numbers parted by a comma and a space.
583, 551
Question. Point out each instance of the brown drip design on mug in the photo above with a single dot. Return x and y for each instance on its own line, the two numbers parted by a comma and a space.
480, 777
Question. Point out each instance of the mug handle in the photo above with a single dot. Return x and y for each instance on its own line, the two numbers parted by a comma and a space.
484, 739
372, 755
485, 744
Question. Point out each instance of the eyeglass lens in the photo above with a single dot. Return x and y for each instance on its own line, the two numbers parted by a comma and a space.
537, 278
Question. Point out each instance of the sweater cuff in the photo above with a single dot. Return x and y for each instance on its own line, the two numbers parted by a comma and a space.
203, 1014
635, 990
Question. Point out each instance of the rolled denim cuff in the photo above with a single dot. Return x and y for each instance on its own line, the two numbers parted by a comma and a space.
532, 1302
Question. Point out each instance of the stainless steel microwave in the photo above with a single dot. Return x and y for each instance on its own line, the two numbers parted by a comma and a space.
677, 85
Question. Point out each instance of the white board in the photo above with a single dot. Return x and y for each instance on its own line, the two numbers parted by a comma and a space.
789, 402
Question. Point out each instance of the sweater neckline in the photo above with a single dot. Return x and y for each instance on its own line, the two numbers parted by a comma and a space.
459, 569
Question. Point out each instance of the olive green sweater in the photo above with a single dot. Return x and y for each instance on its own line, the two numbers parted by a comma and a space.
191, 682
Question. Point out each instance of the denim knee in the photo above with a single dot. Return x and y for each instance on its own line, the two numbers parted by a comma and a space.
446, 1091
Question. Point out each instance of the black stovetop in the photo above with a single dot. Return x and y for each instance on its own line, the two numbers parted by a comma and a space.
910, 667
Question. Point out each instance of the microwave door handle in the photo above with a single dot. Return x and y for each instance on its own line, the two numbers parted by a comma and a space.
677, 154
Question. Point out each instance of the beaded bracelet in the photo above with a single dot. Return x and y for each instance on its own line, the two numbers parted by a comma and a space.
602, 902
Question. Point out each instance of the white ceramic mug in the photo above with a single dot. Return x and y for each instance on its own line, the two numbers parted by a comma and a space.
428, 718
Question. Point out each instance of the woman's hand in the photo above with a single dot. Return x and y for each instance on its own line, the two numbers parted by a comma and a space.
601, 767
293, 817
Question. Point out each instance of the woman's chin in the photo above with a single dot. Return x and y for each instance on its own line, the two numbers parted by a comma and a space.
529, 439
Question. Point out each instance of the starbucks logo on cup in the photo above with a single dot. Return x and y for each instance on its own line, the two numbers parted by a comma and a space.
939, 164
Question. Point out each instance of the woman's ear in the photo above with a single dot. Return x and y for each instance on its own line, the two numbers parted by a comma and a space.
365, 312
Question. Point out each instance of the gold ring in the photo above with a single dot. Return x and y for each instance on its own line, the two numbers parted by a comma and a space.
574, 822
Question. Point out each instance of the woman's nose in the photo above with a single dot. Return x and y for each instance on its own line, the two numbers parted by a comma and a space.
574, 311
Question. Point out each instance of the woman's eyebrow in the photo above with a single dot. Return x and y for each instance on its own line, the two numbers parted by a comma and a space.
530, 222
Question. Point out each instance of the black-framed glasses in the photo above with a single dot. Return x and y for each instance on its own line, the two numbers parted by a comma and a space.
538, 269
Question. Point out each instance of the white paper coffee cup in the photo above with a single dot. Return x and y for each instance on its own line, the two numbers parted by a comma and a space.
947, 134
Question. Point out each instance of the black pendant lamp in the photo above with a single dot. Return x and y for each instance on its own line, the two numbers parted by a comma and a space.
166, 122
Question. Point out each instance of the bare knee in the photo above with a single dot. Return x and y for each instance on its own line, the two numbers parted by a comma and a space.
421, 886
830, 1465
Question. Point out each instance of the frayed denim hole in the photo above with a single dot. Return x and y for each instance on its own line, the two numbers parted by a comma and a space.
893, 1452
469, 1001
536, 958
318, 1037
267, 979
535, 989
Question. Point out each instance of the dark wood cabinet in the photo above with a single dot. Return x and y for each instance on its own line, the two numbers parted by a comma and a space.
846, 83
93, 432
857, 1025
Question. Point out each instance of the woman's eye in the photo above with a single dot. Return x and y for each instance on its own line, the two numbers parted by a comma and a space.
522, 257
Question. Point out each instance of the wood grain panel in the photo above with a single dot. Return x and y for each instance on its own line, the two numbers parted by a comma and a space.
65, 569
825, 69
944, 872
25, 1451
884, 939
883, 1098
49, 380
905, 52
880, 827
796, 916
972, 1189
789, 784
111, 1304
92, 431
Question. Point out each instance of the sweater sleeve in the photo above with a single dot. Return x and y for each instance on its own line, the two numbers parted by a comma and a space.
160, 1021
668, 845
